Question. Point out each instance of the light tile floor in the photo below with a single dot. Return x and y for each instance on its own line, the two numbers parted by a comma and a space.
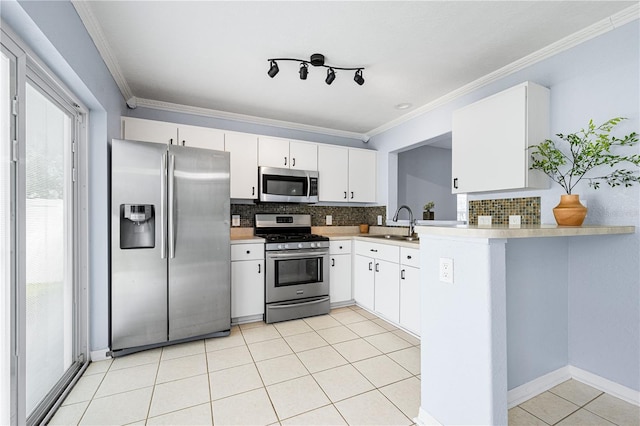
349, 367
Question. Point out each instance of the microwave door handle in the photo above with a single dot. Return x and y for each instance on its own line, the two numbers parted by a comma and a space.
308, 185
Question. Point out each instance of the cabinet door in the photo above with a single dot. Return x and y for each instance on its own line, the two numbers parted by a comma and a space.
363, 281
387, 290
303, 155
247, 288
201, 137
488, 148
273, 152
243, 149
136, 129
410, 299
333, 169
340, 278
362, 175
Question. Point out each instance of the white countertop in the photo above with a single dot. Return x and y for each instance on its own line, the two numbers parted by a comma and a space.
523, 231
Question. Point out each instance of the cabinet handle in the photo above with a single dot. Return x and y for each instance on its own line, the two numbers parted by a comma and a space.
183, 142
293, 162
374, 250
377, 267
171, 141
352, 195
259, 268
409, 257
402, 274
253, 190
340, 247
345, 195
455, 183
333, 262
370, 264
248, 251
285, 161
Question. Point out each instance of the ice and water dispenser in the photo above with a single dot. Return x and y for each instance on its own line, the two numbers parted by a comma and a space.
137, 226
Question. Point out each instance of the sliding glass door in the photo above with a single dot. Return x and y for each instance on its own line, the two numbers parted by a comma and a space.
43, 342
49, 218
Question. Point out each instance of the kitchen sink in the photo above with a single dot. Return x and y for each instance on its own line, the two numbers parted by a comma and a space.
394, 237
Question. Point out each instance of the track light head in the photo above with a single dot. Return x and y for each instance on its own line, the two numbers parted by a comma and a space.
358, 78
331, 75
304, 70
273, 70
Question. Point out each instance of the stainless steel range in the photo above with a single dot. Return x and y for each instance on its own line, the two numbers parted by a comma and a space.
296, 267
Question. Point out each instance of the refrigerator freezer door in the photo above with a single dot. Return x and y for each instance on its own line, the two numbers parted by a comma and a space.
199, 264
138, 269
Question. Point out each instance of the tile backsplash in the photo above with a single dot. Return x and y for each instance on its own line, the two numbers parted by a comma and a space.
342, 216
500, 209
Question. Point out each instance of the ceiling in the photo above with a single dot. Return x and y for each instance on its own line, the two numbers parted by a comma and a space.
210, 57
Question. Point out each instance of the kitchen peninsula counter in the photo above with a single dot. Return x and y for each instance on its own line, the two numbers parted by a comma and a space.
496, 315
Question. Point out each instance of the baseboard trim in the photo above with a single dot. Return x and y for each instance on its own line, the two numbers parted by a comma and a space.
612, 388
535, 387
99, 355
542, 384
426, 419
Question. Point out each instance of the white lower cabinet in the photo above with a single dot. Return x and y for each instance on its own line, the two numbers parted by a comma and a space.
410, 289
247, 280
386, 280
340, 271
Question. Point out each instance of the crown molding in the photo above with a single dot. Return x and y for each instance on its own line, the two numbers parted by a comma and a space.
206, 112
95, 32
605, 25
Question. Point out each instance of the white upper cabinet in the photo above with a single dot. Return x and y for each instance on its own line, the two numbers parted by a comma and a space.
285, 154
491, 137
137, 129
172, 134
201, 137
362, 175
346, 174
243, 149
333, 172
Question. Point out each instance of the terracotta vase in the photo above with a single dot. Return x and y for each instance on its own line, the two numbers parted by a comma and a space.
569, 212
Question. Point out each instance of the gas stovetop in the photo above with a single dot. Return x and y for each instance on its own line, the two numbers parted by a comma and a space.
288, 232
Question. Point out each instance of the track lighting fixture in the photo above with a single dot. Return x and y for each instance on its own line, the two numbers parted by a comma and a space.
304, 70
331, 75
317, 60
273, 69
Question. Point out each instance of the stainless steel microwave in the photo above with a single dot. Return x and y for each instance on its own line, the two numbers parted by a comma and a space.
287, 185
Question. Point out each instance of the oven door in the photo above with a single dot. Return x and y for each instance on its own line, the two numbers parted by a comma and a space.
296, 274
288, 186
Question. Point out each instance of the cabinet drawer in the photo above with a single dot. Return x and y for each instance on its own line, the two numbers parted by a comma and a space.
386, 252
410, 256
340, 247
247, 252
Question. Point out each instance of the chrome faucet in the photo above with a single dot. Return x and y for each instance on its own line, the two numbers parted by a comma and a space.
395, 218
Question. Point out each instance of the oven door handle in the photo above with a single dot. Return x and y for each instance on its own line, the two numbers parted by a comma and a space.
288, 305
297, 253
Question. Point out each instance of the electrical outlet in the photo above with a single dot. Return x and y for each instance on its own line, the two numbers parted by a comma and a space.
484, 220
379, 220
446, 270
329, 220
235, 220
514, 220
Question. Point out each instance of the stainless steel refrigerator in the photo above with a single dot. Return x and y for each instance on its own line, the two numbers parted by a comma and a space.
170, 253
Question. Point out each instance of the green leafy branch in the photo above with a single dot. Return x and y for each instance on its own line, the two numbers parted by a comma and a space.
589, 148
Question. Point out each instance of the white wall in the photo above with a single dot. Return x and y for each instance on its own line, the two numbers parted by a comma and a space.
598, 79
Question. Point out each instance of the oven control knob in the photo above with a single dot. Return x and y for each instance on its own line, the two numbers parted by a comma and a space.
313, 245
300, 245
279, 246
286, 246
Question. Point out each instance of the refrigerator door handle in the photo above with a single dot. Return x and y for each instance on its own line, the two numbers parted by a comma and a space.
163, 206
172, 237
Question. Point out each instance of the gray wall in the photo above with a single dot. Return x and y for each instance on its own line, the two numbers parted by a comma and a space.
424, 174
